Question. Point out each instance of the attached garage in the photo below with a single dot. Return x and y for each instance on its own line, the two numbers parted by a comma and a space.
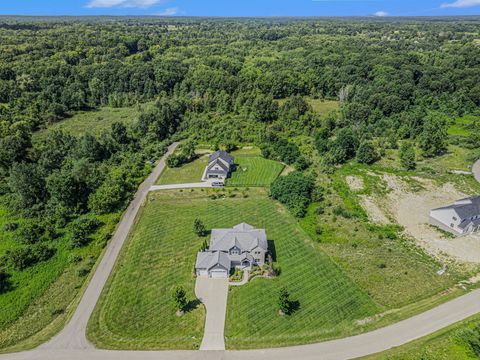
218, 274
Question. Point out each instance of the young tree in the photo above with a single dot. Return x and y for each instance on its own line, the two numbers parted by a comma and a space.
199, 227
284, 302
5, 283
407, 156
179, 299
367, 154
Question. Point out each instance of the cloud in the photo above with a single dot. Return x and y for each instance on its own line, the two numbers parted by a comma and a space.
168, 12
380, 13
461, 4
122, 3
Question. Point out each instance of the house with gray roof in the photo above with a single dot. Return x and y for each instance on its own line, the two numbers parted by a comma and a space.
240, 247
460, 218
220, 165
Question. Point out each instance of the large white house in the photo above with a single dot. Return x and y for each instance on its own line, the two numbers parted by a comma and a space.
460, 218
239, 247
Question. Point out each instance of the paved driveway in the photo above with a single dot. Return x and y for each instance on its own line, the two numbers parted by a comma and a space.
213, 294
205, 184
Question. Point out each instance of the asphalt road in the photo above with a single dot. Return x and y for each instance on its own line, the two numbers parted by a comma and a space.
71, 343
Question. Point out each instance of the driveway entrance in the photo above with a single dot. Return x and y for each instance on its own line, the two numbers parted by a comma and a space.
213, 294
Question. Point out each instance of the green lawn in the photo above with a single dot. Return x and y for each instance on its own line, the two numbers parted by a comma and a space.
251, 170
188, 173
135, 311
93, 121
254, 171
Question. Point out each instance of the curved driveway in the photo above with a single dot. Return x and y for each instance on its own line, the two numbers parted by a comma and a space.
71, 342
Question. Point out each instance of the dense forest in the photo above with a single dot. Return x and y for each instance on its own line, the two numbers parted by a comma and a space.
217, 81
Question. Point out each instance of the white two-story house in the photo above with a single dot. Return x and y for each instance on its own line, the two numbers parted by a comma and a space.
460, 218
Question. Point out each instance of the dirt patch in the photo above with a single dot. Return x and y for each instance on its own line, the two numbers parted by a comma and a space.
287, 170
355, 183
375, 214
412, 209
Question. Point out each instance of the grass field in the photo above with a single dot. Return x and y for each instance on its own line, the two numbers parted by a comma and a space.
135, 311
94, 121
251, 170
446, 344
323, 107
42, 295
320, 106
462, 126
188, 173
254, 171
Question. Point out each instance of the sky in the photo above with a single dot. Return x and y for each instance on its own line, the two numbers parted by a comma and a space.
242, 7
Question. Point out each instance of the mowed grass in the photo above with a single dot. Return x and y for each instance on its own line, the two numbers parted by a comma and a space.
328, 302
188, 173
94, 121
254, 171
135, 311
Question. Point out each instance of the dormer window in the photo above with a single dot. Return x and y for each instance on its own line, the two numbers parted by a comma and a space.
454, 218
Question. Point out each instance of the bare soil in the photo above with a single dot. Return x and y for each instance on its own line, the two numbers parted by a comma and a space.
355, 183
411, 210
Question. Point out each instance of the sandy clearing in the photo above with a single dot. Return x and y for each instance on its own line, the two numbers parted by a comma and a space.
411, 210
355, 183
375, 214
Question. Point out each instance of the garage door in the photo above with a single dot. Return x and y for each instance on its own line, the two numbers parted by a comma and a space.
217, 274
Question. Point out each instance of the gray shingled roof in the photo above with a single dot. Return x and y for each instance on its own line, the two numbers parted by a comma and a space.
466, 223
219, 163
465, 208
209, 259
222, 154
243, 236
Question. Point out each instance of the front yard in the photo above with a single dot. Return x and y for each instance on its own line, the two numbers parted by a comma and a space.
135, 310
